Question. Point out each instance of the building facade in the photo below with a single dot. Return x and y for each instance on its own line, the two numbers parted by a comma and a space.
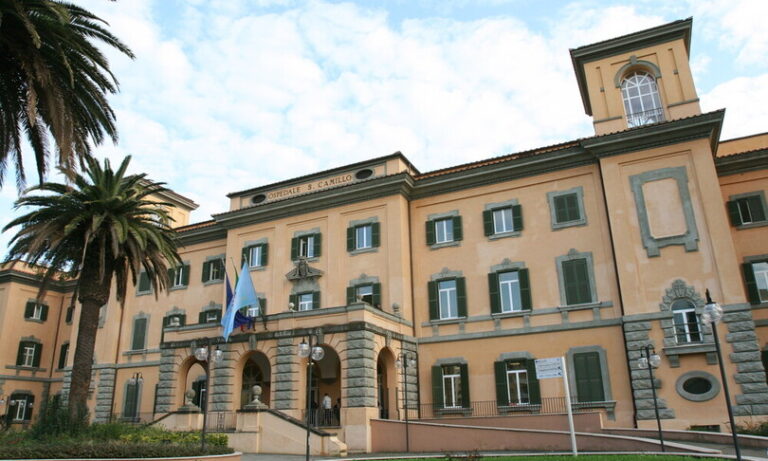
590, 250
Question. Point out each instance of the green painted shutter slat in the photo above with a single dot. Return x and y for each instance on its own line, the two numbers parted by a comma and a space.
20, 354
458, 233
63, 355
201, 317
294, 248
182, 319
318, 244
244, 256
430, 228
220, 264
376, 234
500, 372
517, 217
70, 314
144, 282
29, 310
525, 289
437, 386
560, 211
316, 300
29, 408
573, 207
465, 400
166, 321
265, 254
44, 313
205, 271
577, 289
171, 275
488, 222
185, 275
376, 295
263, 306
461, 296
351, 298
589, 380
733, 212
350, 238
434, 311
129, 408
534, 391
493, 291
139, 333
756, 208
38, 353
753, 294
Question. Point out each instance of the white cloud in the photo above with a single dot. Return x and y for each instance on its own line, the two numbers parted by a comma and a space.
743, 117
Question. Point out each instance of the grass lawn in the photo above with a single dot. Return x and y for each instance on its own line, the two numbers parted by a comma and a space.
462, 457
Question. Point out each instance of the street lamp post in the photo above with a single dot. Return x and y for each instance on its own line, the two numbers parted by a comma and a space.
308, 349
404, 362
206, 356
713, 313
650, 362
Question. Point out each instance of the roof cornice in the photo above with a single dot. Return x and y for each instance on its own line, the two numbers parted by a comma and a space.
742, 163
25, 278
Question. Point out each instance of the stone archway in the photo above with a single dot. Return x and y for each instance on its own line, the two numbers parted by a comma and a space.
386, 384
255, 370
195, 380
326, 380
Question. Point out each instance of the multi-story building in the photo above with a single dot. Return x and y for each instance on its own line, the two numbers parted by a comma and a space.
590, 250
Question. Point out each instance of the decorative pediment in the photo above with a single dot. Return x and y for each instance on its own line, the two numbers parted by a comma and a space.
303, 271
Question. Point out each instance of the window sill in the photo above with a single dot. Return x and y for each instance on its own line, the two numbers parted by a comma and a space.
34, 320
520, 408
511, 314
22, 367
565, 225
453, 411
752, 225
176, 288
213, 282
447, 321
503, 235
256, 268
673, 353
309, 260
363, 251
142, 293
437, 246
582, 306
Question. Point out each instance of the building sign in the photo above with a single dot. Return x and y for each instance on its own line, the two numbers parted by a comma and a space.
310, 186
549, 368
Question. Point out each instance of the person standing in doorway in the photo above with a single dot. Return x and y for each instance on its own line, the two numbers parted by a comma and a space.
327, 407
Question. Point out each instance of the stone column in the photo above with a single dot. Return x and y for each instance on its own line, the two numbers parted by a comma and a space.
750, 375
221, 381
285, 375
360, 387
166, 386
104, 395
636, 338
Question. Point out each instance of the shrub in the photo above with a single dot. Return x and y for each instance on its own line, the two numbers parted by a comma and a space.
74, 449
158, 435
753, 428
54, 421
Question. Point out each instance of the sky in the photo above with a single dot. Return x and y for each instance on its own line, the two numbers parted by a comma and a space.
227, 95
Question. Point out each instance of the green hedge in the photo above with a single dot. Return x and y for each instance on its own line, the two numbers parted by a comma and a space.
157, 435
106, 450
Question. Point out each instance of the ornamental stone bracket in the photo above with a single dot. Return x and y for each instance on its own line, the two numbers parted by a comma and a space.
303, 271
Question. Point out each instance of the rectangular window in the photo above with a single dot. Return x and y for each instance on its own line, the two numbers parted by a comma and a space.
447, 299
363, 237
509, 289
444, 230
63, 355
306, 302
138, 342
567, 208
588, 377
213, 270
36, 311
761, 280
307, 246
70, 314
365, 293
517, 383
131, 404
452, 386
747, 210
502, 221
255, 255
687, 328
177, 320
28, 356
144, 285
179, 276
575, 274
21, 407
209, 316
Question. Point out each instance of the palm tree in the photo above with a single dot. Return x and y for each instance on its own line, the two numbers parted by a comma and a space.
103, 229
53, 82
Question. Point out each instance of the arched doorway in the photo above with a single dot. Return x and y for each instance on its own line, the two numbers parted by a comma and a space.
256, 370
386, 384
196, 381
326, 382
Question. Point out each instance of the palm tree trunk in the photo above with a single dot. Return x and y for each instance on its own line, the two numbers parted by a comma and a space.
94, 293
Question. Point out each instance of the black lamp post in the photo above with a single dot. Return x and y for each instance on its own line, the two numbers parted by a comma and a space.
711, 316
404, 362
650, 362
308, 349
206, 356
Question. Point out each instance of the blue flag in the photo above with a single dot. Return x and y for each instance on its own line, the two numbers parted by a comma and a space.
245, 295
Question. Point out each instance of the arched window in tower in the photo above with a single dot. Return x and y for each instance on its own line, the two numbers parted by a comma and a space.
687, 326
641, 99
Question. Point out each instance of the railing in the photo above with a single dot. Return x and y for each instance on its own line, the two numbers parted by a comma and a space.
221, 421
321, 418
548, 406
133, 418
645, 118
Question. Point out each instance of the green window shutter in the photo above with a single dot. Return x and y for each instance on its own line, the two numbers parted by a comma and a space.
182, 319
733, 212
28, 410
434, 309
753, 294
185, 275
63, 355
764, 358
488, 222
376, 295
316, 300
589, 379
38, 353
465, 400
350, 238
430, 226
166, 320
318, 244
461, 296
263, 306
201, 317
525, 289
294, 299
517, 217
576, 278
437, 386
351, 298
20, 354
534, 392
44, 313
129, 407
206, 271
171, 275
573, 207
144, 284
139, 334
220, 264
264, 254
244, 257
561, 213
29, 310
458, 233
376, 235
294, 248
756, 208
493, 291
500, 372
70, 314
